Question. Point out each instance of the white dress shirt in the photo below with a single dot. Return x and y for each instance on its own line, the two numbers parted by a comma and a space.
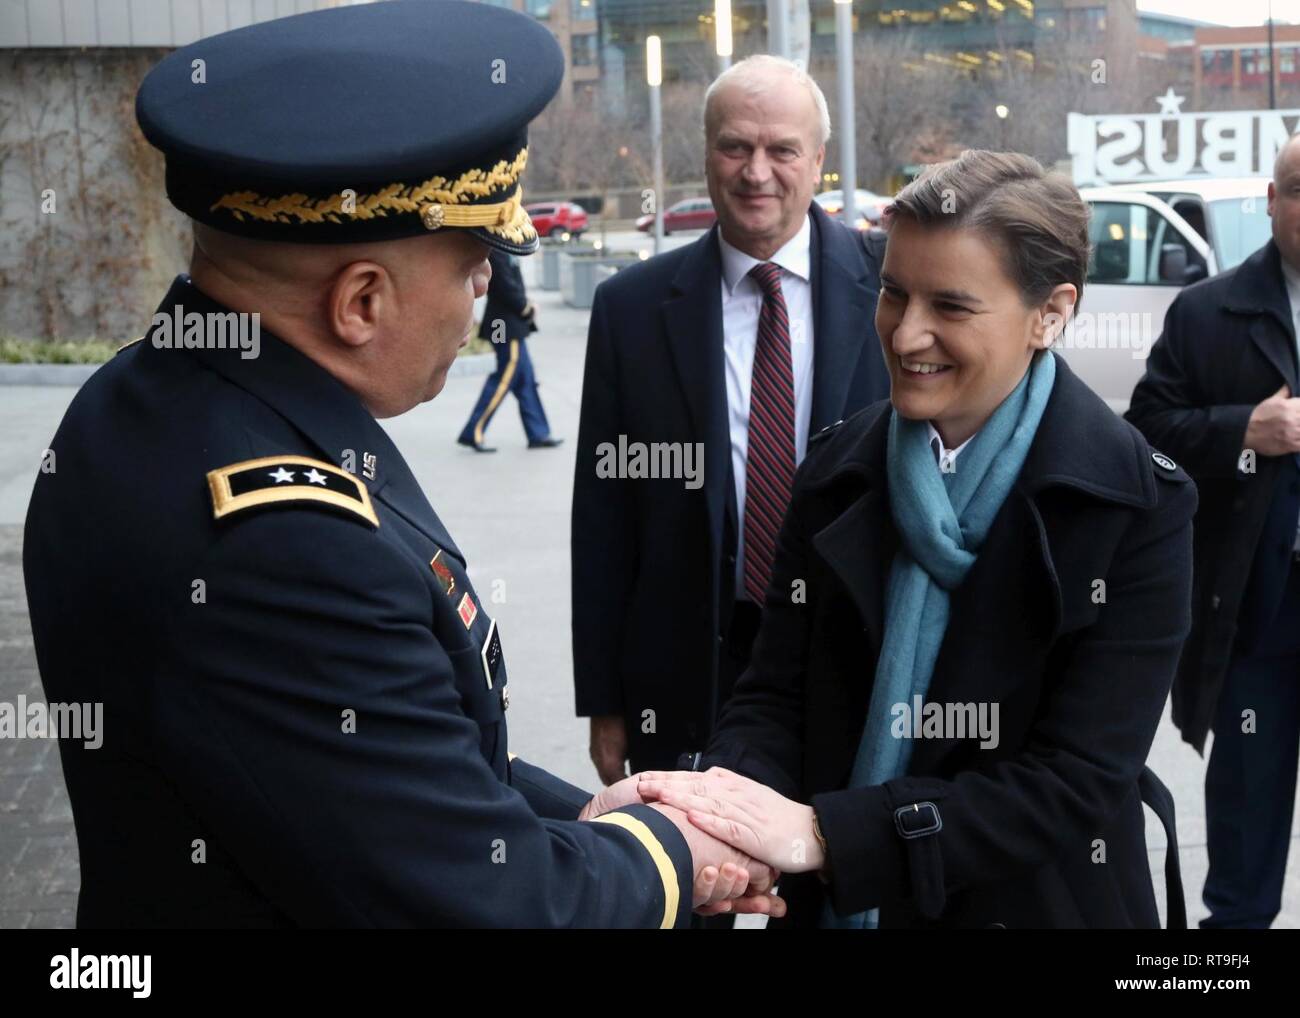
742, 301
947, 457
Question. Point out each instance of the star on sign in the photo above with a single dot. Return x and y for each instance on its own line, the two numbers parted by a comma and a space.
282, 476
315, 476
1170, 103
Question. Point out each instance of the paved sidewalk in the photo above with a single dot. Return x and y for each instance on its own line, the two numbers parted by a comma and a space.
509, 512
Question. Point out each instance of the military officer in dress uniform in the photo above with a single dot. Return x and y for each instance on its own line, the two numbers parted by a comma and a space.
508, 319
304, 699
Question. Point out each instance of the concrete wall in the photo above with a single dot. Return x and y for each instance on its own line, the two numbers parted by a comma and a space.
88, 241
60, 23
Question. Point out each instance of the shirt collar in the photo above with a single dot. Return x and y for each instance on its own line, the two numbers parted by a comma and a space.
944, 451
795, 256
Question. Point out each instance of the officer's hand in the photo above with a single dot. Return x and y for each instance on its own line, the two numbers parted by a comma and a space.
619, 794
713, 884
724, 875
609, 748
1274, 428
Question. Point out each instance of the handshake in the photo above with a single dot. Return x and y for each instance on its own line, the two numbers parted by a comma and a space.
742, 834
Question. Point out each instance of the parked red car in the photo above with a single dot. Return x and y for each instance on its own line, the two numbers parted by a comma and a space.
690, 214
553, 218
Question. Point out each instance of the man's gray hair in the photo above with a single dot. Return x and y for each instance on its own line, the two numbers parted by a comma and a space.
754, 75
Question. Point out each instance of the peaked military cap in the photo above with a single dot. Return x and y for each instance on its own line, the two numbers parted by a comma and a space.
360, 123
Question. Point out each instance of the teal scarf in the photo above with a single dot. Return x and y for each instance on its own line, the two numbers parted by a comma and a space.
942, 520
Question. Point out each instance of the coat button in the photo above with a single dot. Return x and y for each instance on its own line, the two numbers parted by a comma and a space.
1164, 462
1214, 602
505, 697
996, 926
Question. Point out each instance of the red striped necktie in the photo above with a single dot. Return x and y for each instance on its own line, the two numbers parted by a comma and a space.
769, 465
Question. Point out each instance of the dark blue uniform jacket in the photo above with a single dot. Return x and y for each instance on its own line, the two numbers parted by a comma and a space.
299, 727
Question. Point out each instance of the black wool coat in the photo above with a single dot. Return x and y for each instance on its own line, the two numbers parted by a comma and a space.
1228, 344
1079, 673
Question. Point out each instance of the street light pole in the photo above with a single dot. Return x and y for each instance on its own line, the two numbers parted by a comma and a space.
722, 32
1272, 97
654, 77
848, 135
778, 28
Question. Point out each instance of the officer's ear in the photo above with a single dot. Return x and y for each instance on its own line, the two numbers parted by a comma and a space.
357, 300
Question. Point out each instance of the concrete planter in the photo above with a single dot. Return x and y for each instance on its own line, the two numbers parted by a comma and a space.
549, 259
580, 274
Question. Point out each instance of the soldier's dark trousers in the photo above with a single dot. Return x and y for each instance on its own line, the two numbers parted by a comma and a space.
1250, 782
514, 373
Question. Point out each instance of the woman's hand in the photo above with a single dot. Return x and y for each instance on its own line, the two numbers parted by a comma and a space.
750, 817
728, 891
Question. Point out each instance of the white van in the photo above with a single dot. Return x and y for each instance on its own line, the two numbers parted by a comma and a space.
1147, 241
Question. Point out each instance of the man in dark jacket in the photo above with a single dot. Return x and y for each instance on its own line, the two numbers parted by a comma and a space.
304, 699
1219, 395
693, 353
508, 318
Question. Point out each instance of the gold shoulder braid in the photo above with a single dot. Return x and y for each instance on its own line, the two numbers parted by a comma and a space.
439, 202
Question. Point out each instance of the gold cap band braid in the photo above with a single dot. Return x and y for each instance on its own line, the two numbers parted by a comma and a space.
439, 202
350, 124
499, 214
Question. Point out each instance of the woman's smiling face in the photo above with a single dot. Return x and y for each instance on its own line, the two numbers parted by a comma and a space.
955, 331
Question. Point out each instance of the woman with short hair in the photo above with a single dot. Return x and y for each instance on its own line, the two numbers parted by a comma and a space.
980, 594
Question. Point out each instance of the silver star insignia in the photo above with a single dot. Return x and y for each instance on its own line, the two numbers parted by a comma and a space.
315, 476
282, 476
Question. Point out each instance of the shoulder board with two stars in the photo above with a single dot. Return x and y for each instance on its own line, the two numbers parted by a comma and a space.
286, 481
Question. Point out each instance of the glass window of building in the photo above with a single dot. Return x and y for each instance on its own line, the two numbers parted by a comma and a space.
1216, 66
538, 8
582, 10
583, 50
